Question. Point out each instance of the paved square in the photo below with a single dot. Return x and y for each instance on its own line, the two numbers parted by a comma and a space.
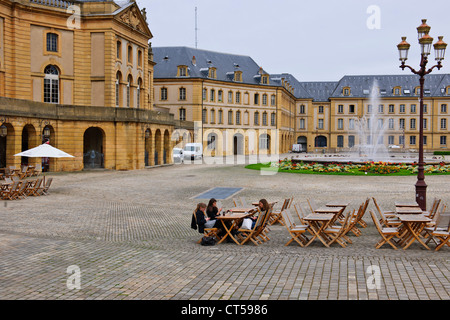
129, 235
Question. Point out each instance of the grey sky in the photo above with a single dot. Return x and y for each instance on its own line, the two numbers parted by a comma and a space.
313, 40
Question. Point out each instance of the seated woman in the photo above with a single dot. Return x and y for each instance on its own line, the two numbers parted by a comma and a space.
263, 206
203, 221
213, 212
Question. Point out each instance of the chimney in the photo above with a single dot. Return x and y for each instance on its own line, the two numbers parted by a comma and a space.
194, 61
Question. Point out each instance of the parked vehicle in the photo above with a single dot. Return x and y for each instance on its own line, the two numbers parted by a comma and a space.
177, 154
297, 148
193, 151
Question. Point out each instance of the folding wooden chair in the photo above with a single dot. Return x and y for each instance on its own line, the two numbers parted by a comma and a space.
295, 231
246, 235
387, 234
312, 205
33, 190
439, 223
388, 218
43, 189
276, 215
12, 192
338, 233
441, 237
430, 214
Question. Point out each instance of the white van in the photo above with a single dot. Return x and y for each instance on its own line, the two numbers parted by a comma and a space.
193, 151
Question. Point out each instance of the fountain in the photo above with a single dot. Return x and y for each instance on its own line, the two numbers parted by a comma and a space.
370, 138
371, 129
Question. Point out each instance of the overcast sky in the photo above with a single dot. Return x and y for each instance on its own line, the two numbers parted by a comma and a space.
313, 40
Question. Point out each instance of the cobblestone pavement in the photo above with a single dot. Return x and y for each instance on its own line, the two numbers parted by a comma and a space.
129, 234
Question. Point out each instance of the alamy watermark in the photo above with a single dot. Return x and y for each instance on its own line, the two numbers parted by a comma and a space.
374, 280
74, 280
373, 22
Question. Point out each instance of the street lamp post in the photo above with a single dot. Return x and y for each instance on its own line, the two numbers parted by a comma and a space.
425, 41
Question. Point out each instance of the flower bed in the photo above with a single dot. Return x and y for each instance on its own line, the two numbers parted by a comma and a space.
370, 168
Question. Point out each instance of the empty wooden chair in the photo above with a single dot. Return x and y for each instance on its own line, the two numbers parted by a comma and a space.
276, 215
33, 190
337, 233
442, 237
387, 218
387, 234
295, 231
312, 205
43, 189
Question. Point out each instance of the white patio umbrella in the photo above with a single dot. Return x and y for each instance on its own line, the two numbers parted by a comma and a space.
44, 151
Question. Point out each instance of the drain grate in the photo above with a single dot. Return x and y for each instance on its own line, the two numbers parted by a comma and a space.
219, 193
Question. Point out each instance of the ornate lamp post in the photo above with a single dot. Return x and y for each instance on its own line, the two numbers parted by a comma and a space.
425, 41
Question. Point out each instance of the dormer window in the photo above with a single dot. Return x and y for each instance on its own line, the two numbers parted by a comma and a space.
397, 91
346, 91
212, 73
448, 90
238, 76
182, 71
265, 79
417, 91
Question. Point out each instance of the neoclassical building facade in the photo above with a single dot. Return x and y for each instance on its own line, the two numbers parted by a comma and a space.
243, 109
79, 74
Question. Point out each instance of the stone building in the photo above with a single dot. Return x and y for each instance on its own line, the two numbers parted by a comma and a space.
79, 74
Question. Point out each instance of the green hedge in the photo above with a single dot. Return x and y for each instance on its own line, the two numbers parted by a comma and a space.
441, 153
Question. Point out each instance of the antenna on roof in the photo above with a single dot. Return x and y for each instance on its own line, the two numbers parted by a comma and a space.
196, 28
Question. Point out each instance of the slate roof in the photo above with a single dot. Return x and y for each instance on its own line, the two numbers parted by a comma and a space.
169, 58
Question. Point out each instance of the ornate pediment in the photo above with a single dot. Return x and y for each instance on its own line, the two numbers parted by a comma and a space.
134, 18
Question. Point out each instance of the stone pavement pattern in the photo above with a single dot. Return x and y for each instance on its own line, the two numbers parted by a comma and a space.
129, 233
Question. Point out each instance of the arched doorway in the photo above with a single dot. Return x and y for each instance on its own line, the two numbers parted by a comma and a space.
148, 146
320, 142
238, 144
4, 130
158, 148
302, 141
93, 157
28, 142
166, 150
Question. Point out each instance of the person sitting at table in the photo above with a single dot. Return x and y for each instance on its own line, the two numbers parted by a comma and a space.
212, 211
263, 206
203, 221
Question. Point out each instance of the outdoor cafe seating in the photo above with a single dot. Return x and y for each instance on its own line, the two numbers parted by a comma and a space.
335, 223
21, 183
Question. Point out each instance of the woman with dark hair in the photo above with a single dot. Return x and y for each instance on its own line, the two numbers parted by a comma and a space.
212, 211
263, 206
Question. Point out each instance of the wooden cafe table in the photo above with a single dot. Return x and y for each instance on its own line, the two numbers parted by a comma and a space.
407, 204
414, 224
408, 210
318, 223
232, 219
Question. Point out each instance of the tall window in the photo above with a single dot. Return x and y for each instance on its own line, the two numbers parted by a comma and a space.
138, 93
220, 96
340, 124
129, 91
182, 94
402, 123
273, 119
130, 54
340, 141
402, 108
391, 124
163, 93
118, 79
273, 100
302, 124
52, 42
256, 98
238, 97
413, 124
320, 124
413, 108
230, 117
391, 108
204, 115
220, 114
51, 84
230, 96
412, 140
264, 99
212, 95
212, 116
238, 117
443, 108
302, 109
264, 118
341, 108
320, 109
119, 50
182, 114
256, 118
380, 108
351, 124
443, 140
444, 123
351, 141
